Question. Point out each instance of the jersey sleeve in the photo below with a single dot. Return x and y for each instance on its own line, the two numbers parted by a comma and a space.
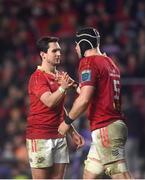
87, 75
39, 85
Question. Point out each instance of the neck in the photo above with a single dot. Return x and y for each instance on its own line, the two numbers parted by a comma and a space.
48, 68
93, 52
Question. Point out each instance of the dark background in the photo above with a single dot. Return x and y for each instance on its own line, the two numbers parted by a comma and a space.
121, 24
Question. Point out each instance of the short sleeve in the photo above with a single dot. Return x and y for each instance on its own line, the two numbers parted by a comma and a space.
39, 85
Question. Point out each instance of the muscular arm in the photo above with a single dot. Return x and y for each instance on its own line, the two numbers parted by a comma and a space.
79, 106
51, 99
82, 102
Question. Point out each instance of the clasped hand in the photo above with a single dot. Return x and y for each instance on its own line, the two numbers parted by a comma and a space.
65, 80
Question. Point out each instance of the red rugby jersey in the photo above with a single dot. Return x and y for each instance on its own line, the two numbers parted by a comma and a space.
42, 121
105, 106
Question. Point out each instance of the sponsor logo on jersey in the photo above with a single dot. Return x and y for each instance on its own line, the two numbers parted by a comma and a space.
86, 75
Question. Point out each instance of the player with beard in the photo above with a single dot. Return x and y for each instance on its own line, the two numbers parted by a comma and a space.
47, 149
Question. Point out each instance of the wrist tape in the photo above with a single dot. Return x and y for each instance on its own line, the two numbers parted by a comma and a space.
62, 90
68, 120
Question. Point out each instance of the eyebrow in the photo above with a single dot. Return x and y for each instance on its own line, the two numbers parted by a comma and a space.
56, 49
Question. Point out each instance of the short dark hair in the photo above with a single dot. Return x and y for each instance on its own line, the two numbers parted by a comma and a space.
43, 43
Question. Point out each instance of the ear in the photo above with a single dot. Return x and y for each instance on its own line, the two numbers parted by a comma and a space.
42, 54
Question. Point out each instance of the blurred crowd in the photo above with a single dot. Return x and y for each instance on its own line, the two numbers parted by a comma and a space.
121, 24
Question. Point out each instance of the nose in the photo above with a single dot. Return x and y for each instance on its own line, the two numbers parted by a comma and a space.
58, 53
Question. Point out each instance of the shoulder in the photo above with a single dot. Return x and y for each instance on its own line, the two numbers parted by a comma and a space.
86, 62
96, 59
37, 77
91, 62
102, 61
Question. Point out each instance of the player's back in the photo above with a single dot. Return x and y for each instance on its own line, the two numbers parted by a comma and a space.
105, 106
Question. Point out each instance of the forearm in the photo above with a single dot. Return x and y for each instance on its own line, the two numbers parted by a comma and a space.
53, 99
79, 106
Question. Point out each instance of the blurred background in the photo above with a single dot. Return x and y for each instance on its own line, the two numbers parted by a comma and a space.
121, 24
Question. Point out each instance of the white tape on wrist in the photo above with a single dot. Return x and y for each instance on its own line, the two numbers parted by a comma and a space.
62, 90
